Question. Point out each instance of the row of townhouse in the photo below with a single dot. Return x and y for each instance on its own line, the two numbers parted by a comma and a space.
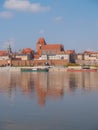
87, 57
43, 51
46, 51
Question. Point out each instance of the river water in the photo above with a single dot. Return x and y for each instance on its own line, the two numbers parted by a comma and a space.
49, 101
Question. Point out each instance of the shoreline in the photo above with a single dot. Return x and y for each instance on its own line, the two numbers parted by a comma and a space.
51, 69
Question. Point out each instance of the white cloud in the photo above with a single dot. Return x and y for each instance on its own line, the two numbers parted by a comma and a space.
24, 5
6, 14
58, 19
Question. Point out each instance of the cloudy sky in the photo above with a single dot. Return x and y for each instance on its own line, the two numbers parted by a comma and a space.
73, 23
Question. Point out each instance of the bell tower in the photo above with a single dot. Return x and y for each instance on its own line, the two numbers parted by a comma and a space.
41, 42
9, 49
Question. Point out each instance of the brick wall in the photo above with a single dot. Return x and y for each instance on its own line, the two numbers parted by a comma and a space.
3, 62
39, 62
33, 62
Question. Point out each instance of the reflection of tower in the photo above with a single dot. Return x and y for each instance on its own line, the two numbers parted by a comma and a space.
48, 85
41, 87
72, 82
10, 54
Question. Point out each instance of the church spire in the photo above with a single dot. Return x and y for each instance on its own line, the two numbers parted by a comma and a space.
9, 49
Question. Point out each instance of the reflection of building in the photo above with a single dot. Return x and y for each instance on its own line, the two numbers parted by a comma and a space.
46, 85
26, 83
49, 88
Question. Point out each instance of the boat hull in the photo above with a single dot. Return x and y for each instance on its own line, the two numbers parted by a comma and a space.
82, 70
33, 70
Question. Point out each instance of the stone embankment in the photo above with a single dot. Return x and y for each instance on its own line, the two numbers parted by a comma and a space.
17, 69
51, 68
57, 69
8, 68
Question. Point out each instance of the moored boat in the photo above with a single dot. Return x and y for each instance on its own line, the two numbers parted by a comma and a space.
34, 69
82, 70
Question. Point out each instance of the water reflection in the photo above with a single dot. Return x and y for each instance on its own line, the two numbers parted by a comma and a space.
47, 85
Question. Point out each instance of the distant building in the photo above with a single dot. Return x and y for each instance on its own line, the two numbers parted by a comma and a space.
4, 55
54, 57
4, 58
72, 55
46, 51
88, 58
25, 54
80, 56
29, 52
42, 48
22, 57
54, 54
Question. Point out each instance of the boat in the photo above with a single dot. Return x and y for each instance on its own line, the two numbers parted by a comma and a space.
34, 69
82, 70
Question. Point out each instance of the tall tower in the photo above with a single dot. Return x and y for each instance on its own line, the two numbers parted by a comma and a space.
41, 42
9, 49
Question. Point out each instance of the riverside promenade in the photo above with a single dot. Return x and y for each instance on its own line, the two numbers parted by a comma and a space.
8, 68
51, 68
17, 69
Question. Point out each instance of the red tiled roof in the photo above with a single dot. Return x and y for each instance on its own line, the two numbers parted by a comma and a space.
70, 51
27, 50
51, 47
3, 53
90, 52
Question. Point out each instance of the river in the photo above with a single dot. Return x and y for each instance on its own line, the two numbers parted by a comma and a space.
49, 101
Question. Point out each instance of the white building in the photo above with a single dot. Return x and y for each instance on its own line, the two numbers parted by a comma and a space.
55, 57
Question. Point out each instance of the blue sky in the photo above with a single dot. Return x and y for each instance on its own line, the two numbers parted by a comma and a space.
73, 23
